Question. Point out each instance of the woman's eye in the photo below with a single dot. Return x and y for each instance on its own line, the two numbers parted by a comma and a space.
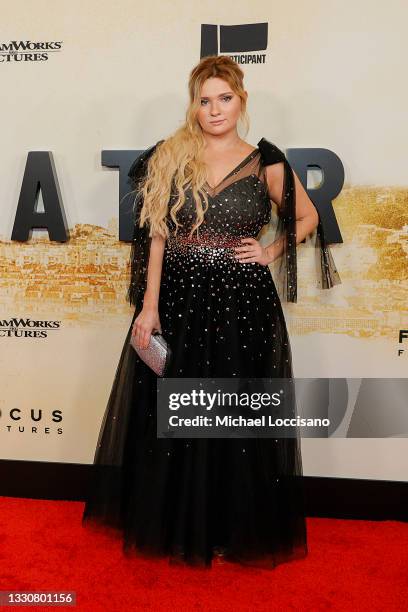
225, 99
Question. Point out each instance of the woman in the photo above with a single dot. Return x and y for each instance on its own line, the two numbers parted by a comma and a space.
201, 277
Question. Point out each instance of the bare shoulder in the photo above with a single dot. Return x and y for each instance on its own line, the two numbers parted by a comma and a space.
247, 148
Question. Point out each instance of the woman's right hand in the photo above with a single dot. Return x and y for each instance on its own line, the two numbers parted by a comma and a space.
146, 321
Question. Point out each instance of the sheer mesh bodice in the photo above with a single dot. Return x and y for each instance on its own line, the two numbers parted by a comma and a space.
247, 177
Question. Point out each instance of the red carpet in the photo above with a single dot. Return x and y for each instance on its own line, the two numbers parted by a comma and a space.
352, 565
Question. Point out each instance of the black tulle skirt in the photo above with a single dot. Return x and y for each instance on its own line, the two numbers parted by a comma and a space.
192, 499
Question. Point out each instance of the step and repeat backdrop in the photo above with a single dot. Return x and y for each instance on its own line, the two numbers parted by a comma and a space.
85, 87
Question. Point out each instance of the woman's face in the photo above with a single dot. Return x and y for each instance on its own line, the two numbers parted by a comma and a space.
220, 107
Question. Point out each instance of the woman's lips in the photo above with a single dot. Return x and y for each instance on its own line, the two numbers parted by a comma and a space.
217, 122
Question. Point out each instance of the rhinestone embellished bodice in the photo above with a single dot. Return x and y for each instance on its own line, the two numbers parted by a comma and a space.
237, 208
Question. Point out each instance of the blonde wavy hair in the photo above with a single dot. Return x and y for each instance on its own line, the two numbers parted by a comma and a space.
179, 158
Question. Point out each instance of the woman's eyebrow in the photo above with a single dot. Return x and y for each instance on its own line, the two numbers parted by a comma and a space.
219, 95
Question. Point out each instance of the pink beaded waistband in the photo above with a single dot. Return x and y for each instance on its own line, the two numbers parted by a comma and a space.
218, 242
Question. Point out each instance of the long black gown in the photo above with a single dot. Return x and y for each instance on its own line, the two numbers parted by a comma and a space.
191, 499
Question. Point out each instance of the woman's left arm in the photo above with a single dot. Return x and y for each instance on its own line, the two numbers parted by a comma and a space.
307, 217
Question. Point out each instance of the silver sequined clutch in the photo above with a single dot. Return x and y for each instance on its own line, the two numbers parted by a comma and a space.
156, 355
